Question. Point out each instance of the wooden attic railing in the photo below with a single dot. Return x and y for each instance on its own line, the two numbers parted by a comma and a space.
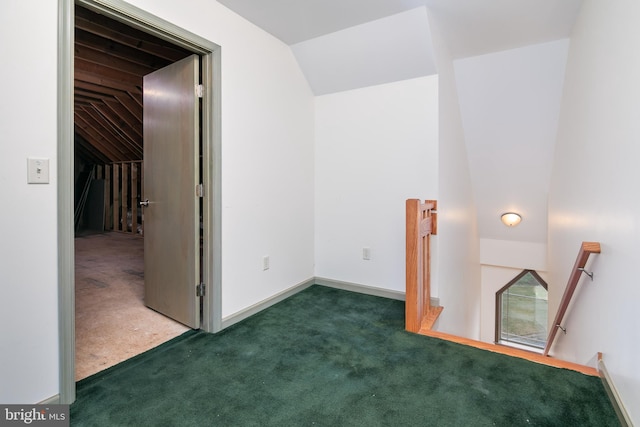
421, 224
586, 249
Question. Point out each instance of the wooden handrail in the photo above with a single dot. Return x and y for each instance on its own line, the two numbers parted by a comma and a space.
586, 249
421, 224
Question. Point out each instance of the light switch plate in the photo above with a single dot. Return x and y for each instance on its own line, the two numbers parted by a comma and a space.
37, 171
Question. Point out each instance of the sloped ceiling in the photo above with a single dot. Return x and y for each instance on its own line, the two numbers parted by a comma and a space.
344, 44
294, 21
477, 27
509, 102
397, 47
110, 62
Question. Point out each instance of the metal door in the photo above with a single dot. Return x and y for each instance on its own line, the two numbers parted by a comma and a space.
171, 176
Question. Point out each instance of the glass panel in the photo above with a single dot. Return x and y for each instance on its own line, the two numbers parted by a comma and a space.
524, 313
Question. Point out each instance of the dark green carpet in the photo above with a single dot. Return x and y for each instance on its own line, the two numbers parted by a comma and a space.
327, 357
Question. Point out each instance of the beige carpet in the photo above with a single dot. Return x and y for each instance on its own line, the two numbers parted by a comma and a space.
112, 322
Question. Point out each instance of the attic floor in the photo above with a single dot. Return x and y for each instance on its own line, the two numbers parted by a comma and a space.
112, 322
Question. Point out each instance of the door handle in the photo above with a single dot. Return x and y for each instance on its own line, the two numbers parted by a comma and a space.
144, 203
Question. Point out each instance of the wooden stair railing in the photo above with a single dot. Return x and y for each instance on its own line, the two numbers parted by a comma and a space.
421, 224
586, 249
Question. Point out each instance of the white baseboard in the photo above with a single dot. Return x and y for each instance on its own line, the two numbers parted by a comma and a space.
53, 400
369, 290
362, 289
322, 281
256, 308
614, 396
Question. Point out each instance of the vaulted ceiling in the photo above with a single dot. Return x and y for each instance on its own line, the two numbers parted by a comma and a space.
342, 45
111, 59
508, 63
349, 44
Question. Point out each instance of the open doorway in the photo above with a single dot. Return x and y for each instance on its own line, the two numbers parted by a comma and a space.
210, 54
112, 322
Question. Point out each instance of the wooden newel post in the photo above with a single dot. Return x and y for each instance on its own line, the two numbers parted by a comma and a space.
421, 221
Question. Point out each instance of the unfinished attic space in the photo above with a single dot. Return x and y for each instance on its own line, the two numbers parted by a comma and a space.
111, 60
112, 320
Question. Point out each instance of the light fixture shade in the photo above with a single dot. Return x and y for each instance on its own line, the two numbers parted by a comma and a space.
511, 219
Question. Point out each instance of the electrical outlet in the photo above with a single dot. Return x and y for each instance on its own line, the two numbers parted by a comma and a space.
366, 253
265, 262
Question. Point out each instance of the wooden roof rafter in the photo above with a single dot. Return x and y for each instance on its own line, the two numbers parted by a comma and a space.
111, 60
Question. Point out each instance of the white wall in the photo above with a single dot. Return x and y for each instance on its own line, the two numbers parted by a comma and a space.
28, 218
267, 154
510, 102
509, 253
375, 148
594, 192
458, 246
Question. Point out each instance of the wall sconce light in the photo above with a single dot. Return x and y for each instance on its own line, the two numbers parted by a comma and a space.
510, 219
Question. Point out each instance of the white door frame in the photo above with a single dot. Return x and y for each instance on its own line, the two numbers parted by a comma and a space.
211, 119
